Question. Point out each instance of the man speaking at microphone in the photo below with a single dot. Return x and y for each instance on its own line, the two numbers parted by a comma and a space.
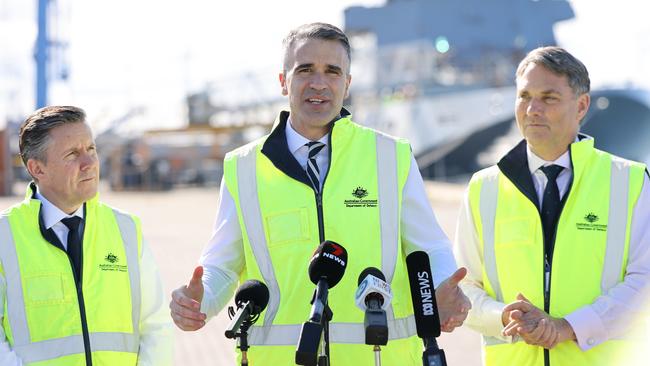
319, 176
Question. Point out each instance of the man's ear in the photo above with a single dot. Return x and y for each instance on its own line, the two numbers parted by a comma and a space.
583, 105
36, 168
283, 83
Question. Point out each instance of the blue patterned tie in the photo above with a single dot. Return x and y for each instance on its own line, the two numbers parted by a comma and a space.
312, 168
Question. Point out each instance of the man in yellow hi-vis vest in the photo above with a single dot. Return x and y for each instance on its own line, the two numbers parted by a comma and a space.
318, 176
556, 236
77, 283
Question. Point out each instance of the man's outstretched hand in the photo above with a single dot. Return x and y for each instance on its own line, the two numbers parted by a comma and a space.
186, 303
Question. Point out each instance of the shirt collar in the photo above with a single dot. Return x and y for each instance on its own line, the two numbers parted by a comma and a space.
535, 162
52, 214
295, 140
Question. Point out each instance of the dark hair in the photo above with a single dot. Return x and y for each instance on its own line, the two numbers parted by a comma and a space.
560, 62
35, 131
321, 31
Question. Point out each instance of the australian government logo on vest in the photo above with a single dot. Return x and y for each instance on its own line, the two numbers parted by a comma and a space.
590, 223
112, 264
359, 200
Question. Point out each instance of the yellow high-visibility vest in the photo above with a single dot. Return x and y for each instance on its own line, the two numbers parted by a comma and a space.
280, 219
590, 252
44, 311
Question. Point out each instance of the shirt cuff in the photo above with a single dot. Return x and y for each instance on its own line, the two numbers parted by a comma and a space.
493, 318
588, 327
207, 303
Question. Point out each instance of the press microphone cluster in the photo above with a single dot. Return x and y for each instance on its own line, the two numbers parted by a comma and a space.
326, 268
373, 296
251, 299
425, 309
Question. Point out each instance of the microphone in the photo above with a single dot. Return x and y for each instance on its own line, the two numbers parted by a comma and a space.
251, 299
373, 296
328, 262
425, 309
326, 268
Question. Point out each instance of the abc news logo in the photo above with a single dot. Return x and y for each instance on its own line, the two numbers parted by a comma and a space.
426, 293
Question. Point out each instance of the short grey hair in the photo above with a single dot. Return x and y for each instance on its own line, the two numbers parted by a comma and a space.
322, 31
34, 136
561, 62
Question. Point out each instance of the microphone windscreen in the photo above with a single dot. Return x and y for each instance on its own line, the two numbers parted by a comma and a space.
427, 319
370, 271
255, 292
329, 261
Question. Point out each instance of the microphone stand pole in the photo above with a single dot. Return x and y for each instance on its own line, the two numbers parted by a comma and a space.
242, 324
377, 350
324, 358
242, 344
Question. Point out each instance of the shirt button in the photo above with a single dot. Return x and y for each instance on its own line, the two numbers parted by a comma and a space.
590, 341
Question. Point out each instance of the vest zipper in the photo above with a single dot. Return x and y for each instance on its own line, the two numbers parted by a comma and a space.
548, 267
319, 195
82, 314
319, 211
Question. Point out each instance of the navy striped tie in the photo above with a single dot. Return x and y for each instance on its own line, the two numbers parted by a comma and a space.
312, 168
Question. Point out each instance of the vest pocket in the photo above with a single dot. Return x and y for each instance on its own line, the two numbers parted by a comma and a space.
287, 226
46, 288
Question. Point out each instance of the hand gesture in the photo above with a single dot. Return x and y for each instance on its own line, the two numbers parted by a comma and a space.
453, 305
186, 303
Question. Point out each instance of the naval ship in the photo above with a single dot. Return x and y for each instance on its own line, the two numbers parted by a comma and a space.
441, 74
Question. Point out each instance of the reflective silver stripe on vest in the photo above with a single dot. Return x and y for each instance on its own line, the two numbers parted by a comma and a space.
388, 197
45, 350
254, 227
488, 209
616, 224
14, 293
287, 335
129, 233
59, 347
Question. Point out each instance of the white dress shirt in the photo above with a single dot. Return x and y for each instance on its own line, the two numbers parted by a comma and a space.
609, 316
156, 331
223, 257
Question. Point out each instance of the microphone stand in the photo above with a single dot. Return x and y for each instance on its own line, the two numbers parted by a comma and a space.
377, 350
243, 324
432, 355
242, 344
324, 357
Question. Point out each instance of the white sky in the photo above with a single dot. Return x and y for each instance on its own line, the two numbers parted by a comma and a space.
126, 53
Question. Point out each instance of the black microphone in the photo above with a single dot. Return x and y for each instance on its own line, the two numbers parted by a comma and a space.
326, 268
425, 309
373, 296
328, 262
251, 299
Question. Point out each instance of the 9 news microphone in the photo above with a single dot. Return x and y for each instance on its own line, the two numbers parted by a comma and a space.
326, 268
427, 319
373, 296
